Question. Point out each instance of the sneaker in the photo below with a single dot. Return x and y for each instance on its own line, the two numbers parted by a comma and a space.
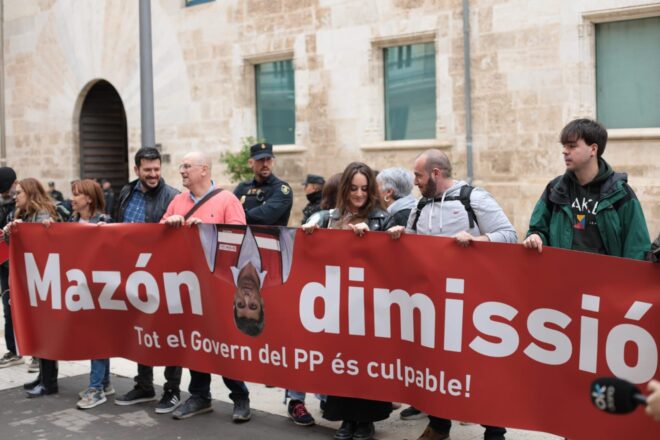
91, 398
33, 366
169, 402
299, 414
193, 406
9, 359
136, 395
411, 413
108, 390
241, 411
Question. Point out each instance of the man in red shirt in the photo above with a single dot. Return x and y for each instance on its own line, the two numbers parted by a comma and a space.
205, 203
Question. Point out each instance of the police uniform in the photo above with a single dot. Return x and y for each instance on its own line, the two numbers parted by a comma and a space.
268, 202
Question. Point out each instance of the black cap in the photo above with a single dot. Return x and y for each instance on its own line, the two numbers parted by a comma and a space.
313, 178
260, 151
7, 179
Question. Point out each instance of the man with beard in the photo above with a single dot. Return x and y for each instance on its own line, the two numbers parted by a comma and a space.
144, 200
313, 186
452, 208
266, 199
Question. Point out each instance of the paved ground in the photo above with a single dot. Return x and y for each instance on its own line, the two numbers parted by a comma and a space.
56, 417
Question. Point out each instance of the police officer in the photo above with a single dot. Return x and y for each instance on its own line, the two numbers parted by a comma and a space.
266, 199
314, 191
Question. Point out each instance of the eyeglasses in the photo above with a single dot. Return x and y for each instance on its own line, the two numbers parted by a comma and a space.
187, 166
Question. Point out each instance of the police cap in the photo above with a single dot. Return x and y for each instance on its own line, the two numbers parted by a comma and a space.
260, 151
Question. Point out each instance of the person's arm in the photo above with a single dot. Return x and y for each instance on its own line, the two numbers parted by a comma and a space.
234, 212
539, 223
493, 223
170, 218
276, 205
634, 233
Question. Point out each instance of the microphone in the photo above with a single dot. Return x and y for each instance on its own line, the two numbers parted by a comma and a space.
616, 396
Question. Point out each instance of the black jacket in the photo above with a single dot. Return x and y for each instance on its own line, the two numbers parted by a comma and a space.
157, 200
313, 206
376, 221
399, 218
265, 203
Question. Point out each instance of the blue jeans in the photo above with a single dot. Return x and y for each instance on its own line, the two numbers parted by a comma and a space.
200, 386
99, 376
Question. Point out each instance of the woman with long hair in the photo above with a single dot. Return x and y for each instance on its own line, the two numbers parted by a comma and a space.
34, 206
358, 209
88, 204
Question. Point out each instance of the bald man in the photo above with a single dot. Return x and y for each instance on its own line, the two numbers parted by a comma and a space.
204, 202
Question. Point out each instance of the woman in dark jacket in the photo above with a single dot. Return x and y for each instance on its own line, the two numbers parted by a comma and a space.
358, 209
34, 206
394, 186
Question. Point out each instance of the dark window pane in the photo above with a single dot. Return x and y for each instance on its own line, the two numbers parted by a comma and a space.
628, 73
276, 113
410, 92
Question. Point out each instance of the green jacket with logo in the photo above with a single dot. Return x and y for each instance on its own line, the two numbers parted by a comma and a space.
619, 217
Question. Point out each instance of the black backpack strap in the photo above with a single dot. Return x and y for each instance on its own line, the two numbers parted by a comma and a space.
420, 205
201, 202
464, 197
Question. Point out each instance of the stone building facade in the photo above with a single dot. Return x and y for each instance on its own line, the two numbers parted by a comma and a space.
532, 66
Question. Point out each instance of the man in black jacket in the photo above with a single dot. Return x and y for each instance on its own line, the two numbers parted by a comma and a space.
7, 206
145, 200
313, 191
266, 199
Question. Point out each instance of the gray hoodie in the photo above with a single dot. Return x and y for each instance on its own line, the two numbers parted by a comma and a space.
447, 218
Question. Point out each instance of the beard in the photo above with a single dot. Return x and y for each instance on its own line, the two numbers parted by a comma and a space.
430, 188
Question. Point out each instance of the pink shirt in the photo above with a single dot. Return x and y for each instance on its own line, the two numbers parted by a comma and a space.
223, 208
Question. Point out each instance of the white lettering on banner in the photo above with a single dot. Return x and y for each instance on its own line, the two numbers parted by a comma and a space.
494, 320
141, 288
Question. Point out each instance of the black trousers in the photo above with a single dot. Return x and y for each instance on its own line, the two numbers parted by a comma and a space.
48, 374
145, 378
6, 307
444, 425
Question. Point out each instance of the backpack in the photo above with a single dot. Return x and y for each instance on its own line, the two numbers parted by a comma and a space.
463, 197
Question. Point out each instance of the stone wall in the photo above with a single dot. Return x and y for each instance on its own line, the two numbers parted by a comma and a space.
532, 71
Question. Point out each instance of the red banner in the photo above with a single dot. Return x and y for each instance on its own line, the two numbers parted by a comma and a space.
493, 333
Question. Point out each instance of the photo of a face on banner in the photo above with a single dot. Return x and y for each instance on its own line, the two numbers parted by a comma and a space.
252, 258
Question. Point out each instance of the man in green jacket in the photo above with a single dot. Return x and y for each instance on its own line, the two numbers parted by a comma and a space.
589, 208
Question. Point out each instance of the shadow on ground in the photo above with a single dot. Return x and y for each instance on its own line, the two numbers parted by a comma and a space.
56, 417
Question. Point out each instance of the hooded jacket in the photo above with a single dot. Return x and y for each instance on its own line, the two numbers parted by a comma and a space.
447, 218
619, 216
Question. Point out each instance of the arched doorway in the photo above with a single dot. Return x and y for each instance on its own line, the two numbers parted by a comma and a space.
103, 136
